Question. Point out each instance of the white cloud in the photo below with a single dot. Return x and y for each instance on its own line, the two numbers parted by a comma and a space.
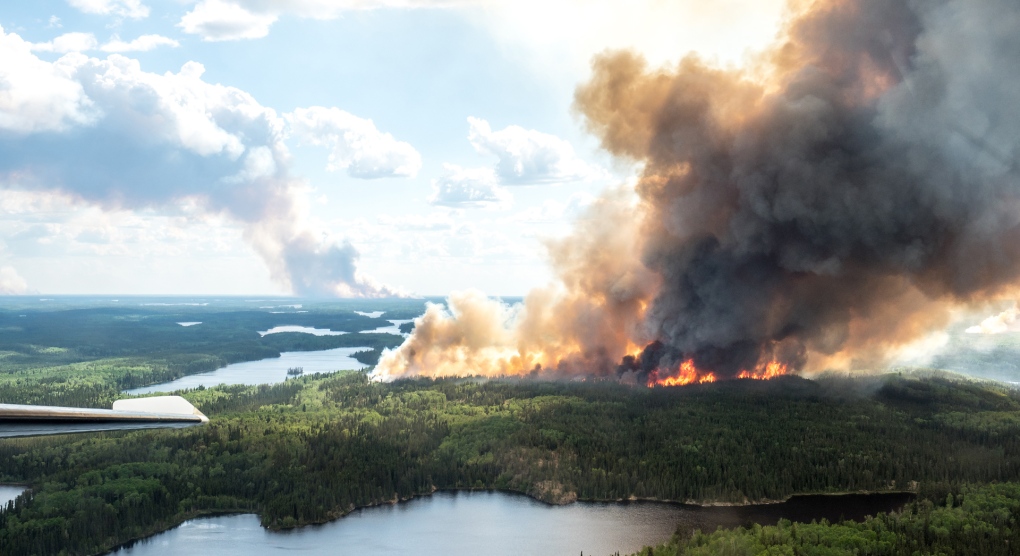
143, 140
133, 9
527, 156
54, 22
222, 20
11, 283
468, 188
355, 144
37, 95
68, 42
143, 43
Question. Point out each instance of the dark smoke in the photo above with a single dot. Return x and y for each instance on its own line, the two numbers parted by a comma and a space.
836, 200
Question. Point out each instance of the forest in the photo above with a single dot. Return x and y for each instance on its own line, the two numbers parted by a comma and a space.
83, 351
315, 447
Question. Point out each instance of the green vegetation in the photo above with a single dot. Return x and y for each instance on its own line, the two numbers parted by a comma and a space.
315, 447
75, 355
979, 520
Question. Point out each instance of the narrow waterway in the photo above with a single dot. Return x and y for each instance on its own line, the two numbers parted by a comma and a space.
493, 523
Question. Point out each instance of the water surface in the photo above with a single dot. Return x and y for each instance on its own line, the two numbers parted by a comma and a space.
9, 493
264, 371
493, 524
302, 330
393, 328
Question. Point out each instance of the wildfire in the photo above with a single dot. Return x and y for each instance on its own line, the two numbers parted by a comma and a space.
771, 370
688, 374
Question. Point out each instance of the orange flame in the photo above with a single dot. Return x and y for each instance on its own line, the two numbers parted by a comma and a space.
771, 370
688, 374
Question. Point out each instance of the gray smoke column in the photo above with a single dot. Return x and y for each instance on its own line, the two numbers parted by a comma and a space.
835, 200
820, 208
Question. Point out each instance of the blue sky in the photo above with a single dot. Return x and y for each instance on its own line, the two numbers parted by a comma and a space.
326, 147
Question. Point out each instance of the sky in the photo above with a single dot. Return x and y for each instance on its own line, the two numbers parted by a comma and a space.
314, 147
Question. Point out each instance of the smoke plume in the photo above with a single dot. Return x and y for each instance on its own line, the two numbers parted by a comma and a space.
831, 201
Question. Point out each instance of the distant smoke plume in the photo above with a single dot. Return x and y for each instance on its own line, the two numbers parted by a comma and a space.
108, 133
831, 202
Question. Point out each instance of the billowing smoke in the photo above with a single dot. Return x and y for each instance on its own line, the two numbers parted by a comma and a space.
106, 132
821, 207
1006, 321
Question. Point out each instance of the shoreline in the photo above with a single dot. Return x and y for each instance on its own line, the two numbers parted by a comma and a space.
394, 501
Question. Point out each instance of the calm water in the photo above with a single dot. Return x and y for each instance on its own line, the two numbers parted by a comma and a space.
490, 523
8, 493
303, 330
393, 328
264, 371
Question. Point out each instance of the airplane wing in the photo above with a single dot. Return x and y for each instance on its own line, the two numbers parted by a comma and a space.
138, 413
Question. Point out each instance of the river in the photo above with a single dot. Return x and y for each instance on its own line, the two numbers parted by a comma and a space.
493, 523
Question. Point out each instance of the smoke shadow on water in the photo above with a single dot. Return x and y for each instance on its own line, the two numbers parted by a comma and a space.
495, 523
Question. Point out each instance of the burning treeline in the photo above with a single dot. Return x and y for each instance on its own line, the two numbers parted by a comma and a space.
821, 208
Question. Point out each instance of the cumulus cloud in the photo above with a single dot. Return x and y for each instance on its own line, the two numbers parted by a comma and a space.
355, 144
68, 42
460, 187
11, 283
527, 156
133, 9
222, 20
37, 95
143, 43
110, 134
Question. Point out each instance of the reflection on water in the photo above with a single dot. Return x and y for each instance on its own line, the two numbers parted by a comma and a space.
491, 523
264, 371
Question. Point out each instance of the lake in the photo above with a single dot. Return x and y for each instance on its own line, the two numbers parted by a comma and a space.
9, 493
264, 371
492, 523
301, 329
393, 328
